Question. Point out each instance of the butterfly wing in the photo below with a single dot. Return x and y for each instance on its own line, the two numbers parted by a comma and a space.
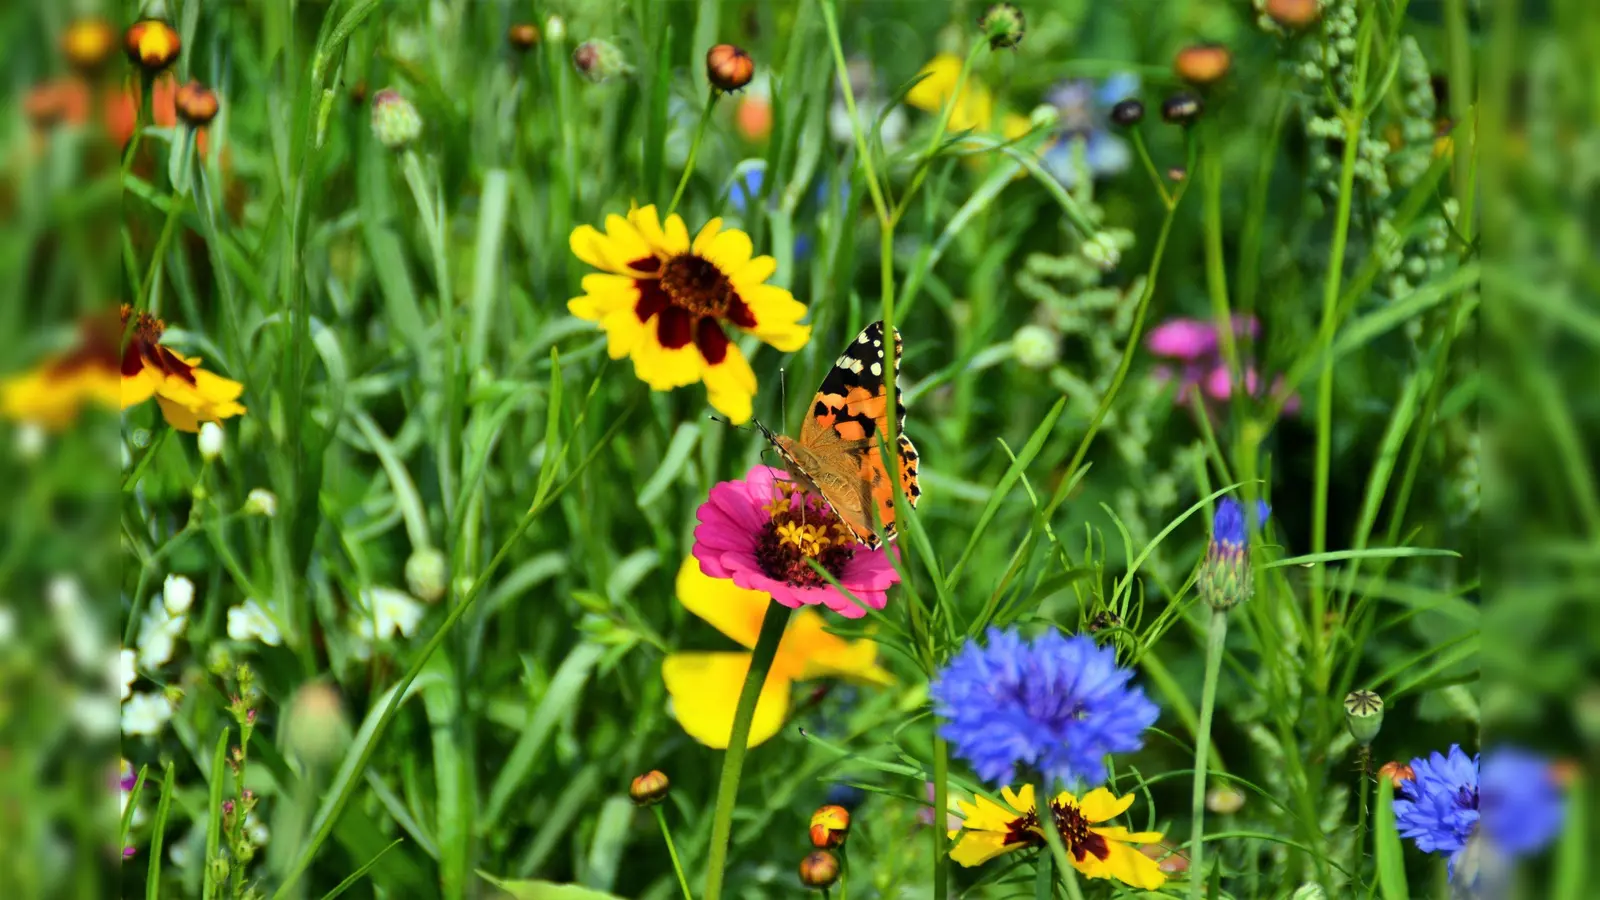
841, 435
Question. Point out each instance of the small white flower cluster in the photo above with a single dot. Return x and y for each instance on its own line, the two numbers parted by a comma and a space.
385, 612
147, 714
252, 622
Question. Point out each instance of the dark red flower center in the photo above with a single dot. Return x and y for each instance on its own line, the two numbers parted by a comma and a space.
692, 298
101, 343
802, 527
1079, 840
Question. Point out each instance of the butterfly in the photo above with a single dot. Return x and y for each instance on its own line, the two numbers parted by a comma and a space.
837, 455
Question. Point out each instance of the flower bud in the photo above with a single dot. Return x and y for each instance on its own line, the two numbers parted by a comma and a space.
598, 60
210, 441
523, 36
177, 595
261, 502
316, 729
729, 68
1127, 113
1035, 347
1363, 714
555, 29
1225, 579
650, 788
217, 871
1181, 108
1293, 13
819, 869
1397, 773
395, 121
1202, 64
1224, 800
151, 44
1103, 620
830, 825
1004, 25
196, 103
87, 44
427, 574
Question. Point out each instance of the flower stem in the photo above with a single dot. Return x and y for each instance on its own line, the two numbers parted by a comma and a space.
1202, 748
672, 851
1052, 835
772, 625
694, 151
941, 817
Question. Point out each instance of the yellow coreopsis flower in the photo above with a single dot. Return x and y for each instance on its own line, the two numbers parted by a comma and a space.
705, 686
1097, 851
99, 370
665, 301
974, 106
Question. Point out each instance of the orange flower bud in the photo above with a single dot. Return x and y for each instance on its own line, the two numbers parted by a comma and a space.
87, 44
152, 44
1293, 13
819, 869
728, 68
1397, 773
196, 103
830, 825
523, 35
650, 788
1202, 64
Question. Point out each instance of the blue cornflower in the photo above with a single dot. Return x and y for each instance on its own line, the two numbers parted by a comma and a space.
1083, 109
1522, 804
1057, 705
1438, 807
1225, 579
1228, 529
746, 191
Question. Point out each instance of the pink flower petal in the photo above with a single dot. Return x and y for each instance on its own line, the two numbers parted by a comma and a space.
1182, 339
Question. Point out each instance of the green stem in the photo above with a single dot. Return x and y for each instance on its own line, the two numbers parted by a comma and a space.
1330, 305
928, 153
761, 657
1137, 136
694, 151
941, 805
672, 851
1202, 748
174, 209
1052, 835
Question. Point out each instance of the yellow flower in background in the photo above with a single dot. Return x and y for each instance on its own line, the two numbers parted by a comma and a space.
666, 301
99, 370
1096, 851
974, 106
705, 686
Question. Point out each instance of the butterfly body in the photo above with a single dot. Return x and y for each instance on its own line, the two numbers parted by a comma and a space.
837, 454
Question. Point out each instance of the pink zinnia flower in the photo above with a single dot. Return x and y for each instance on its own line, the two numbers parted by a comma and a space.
759, 532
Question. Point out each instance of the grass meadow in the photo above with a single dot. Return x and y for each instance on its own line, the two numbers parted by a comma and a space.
389, 387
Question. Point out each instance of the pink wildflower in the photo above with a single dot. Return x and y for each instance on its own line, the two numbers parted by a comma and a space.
761, 531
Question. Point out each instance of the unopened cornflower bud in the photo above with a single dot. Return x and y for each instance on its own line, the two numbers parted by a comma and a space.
196, 103
1398, 773
1181, 108
316, 728
523, 35
820, 869
151, 44
1202, 64
261, 502
1035, 347
1293, 13
598, 60
729, 68
427, 574
1225, 579
1004, 25
395, 121
830, 825
650, 788
1128, 113
210, 441
1363, 714
87, 44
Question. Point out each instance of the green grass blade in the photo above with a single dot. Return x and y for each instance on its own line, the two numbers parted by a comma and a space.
1386, 846
354, 877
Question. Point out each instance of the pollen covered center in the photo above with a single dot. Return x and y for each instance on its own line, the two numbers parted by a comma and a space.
695, 284
802, 527
1079, 840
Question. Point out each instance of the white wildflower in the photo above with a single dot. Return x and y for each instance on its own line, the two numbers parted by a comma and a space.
146, 714
30, 440
210, 441
94, 714
75, 621
261, 502
124, 673
177, 593
387, 611
251, 622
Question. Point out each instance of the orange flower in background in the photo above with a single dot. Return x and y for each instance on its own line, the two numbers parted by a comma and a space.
705, 686
100, 370
152, 44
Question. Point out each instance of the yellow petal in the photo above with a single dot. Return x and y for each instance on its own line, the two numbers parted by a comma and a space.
1020, 800
1124, 864
729, 251
754, 272
708, 233
818, 654
178, 415
138, 388
603, 294
589, 245
705, 689
730, 385
974, 848
1014, 125
214, 388
732, 610
984, 814
39, 398
1100, 805
623, 331
664, 369
940, 79
1117, 832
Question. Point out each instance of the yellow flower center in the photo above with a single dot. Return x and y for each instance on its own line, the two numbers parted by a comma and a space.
800, 528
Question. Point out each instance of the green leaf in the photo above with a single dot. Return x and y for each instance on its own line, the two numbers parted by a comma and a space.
1386, 846
546, 890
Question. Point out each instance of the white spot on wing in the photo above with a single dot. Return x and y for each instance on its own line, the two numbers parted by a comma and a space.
877, 369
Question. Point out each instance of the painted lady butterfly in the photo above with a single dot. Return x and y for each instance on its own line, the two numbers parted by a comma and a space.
837, 454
